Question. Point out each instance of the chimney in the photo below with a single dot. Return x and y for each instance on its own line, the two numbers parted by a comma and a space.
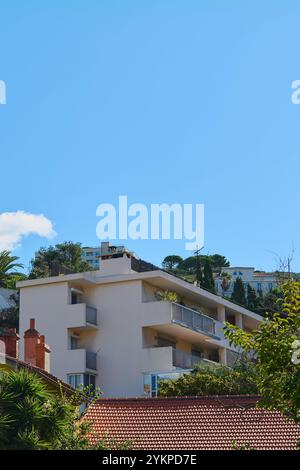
36, 351
10, 339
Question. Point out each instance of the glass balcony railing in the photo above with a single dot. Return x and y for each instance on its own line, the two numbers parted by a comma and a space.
185, 360
192, 319
91, 315
91, 360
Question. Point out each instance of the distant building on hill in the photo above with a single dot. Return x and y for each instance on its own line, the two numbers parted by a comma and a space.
94, 254
261, 281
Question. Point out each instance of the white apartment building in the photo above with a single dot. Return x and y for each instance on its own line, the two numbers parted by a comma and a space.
108, 328
261, 281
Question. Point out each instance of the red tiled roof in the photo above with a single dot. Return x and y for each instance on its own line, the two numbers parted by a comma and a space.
192, 423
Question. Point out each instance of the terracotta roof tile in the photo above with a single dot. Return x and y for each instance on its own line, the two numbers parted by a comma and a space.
192, 423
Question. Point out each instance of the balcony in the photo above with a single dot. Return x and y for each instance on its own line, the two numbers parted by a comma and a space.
192, 319
81, 316
185, 360
181, 322
80, 360
166, 359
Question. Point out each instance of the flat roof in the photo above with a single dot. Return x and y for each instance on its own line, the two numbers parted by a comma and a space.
159, 278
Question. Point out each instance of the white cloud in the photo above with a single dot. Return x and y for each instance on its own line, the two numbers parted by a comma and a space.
15, 225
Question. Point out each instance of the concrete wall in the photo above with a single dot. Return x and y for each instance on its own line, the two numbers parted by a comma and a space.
120, 338
47, 304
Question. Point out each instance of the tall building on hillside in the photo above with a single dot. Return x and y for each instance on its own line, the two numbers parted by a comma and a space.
93, 255
115, 327
261, 281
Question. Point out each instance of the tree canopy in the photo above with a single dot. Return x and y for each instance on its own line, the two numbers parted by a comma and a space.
276, 345
34, 418
62, 258
200, 269
208, 279
9, 266
221, 380
171, 262
238, 293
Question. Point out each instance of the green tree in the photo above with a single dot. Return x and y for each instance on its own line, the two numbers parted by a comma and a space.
167, 295
238, 294
188, 265
62, 258
271, 303
171, 262
208, 279
218, 262
212, 381
10, 316
34, 418
277, 347
225, 283
8, 268
252, 300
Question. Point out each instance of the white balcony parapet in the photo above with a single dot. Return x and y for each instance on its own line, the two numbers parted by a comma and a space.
81, 316
169, 359
80, 360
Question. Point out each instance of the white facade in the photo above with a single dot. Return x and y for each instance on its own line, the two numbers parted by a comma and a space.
261, 281
108, 327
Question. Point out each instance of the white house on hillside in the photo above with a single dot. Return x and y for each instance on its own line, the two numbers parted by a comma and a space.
261, 281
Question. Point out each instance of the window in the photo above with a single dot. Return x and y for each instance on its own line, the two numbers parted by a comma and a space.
74, 342
75, 380
152, 381
76, 298
230, 319
90, 380
270, 286
85, 380
165, 342
197, 353
259, 286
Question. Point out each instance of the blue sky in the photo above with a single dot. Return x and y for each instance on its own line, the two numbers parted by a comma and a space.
170, 101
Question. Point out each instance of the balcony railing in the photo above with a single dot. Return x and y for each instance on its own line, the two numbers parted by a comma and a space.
91, 360
91, 315
185, 360
192, 319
